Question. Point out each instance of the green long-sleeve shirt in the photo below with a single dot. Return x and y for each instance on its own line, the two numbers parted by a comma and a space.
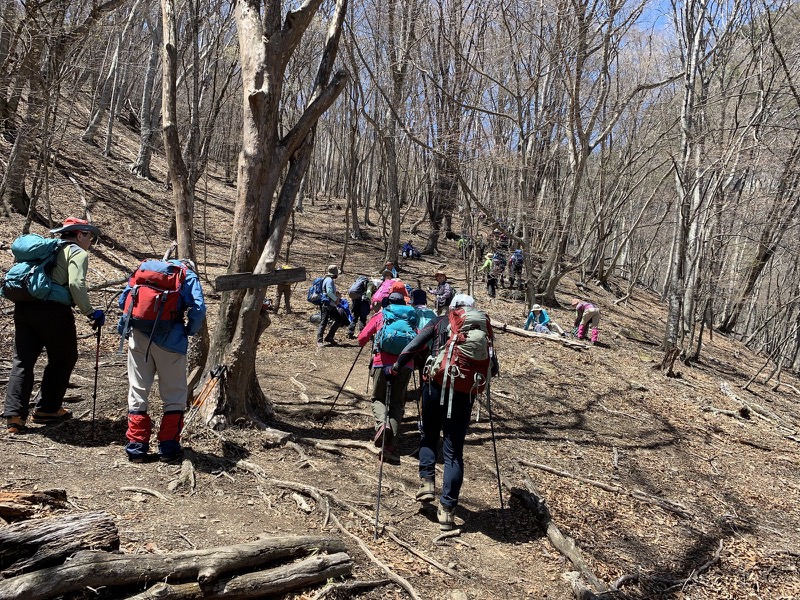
72, 264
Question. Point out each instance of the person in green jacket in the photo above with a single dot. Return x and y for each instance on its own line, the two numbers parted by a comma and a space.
46, 325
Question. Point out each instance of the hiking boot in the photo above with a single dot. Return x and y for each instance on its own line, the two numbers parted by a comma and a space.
390, 455
171, 458
332, 342
320, 344
426, 491
62, 414
446, 519
15, 425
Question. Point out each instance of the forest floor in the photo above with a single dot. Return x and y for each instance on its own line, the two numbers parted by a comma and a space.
659, 489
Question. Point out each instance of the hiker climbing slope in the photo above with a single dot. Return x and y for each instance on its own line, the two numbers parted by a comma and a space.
50, 325
391, 328
328, 308
461, 361
162, 306
586, 315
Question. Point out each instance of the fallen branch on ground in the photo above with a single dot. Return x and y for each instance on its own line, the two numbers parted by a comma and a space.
553, 337
564, 544
668, 505
21, 505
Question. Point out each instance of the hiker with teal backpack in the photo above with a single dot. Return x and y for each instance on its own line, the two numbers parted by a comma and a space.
53, 280
162, 306
392, 328
461, 360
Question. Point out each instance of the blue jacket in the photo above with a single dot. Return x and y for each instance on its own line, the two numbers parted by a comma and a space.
191, 305
542, 319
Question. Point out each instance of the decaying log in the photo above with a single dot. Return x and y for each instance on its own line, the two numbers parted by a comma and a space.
553, 337
96, 568
278, 580
21, 505
41, 543
564, 544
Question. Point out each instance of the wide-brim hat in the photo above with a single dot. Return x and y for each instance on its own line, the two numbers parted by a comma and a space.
536, 307
333, 271
439, 272
574, 302
76, 224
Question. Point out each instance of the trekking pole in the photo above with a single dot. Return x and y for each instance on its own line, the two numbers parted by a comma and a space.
330, 410
494, 446
386, 425
96, 370
217, 373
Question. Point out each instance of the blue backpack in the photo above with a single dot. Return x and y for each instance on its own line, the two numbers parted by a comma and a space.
29, 278
315, 292
398, 329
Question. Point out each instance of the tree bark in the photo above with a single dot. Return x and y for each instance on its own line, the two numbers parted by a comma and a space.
21, 505
97, 568
40, 543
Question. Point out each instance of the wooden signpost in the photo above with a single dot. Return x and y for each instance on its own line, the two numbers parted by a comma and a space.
241, 281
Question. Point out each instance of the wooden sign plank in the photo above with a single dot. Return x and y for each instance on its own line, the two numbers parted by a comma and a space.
242, 281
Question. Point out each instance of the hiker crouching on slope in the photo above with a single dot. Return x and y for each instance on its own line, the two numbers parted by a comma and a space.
586, 315
392, 328
448, 413
50, 325
159, 347
329, 309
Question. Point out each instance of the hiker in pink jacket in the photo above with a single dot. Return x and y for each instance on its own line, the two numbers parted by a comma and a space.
586, 314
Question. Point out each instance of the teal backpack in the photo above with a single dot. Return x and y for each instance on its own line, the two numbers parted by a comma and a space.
398, 329
424, 316
29, 278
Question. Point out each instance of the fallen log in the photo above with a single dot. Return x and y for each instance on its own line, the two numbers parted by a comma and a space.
40, 543
563, 543
96, 568
279, 580
553, 337
22, 505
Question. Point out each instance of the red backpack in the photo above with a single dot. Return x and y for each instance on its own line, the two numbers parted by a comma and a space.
464, 360
153, 303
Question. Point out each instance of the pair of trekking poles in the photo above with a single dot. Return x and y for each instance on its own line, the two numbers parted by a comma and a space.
386, 426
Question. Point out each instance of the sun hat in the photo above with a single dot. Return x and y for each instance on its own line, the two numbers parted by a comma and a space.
574, 302
536, 307
75, 224
333, 271
462, 300
439, 272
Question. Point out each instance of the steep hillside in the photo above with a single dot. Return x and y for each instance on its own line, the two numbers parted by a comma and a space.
672, 488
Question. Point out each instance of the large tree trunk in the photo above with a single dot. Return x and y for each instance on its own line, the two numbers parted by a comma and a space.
259, 222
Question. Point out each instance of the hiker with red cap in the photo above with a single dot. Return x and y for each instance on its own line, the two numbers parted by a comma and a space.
162, 306
586, 315
50, 325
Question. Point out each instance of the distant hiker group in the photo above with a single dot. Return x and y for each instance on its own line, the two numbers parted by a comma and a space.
162, 306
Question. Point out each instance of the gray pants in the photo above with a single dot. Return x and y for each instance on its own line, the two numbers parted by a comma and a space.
171, 369
397, 402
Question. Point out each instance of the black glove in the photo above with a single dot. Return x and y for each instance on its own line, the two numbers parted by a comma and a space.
98, 318
495, 368
389, 372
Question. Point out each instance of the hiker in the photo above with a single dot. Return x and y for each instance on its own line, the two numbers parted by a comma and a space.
540, 322
586, 315
159, 346
328, 308
499, 267
419, 299
285, 290
515, 264
389, 266
360, 294
447, 404
50, 325
381, 297
409, 251
443, 293
343, 311
486, 267
392, 328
